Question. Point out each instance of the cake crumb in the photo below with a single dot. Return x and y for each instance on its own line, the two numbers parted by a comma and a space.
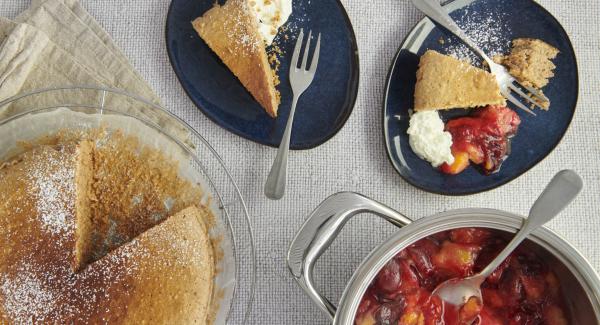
530, 62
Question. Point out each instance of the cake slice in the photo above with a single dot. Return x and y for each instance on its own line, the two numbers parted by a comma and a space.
164, 276
46, 191
232, 32
444, 82
530, 62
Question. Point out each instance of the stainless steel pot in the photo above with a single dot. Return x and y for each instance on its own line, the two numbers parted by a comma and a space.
580, 283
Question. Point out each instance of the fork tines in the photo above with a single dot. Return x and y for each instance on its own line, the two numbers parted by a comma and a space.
296, 54
534, 97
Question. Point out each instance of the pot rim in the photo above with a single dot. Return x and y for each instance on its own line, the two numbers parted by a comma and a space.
554, 243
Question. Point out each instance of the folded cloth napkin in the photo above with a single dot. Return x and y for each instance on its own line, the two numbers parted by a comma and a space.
66, 30
88, 20
30, 61
56, 43
20, 51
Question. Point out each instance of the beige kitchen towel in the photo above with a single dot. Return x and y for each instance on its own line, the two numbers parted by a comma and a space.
20, 51
43, 64
70, 33
87, 19
30, 61
58, 44
70, 6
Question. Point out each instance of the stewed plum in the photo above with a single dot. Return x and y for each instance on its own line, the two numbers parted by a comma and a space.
482, 138
523, 290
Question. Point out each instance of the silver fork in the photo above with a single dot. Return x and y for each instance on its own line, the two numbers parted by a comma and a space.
508, 83
300, 79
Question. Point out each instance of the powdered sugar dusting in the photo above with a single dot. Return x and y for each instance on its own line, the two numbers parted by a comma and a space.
54, 190
37, 284
53, 293
26, 295
33, 291
489, 30
239, 31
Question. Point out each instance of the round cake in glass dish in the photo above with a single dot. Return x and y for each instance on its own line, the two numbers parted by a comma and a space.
96, 227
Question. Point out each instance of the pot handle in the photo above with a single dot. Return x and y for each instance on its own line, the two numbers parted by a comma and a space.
321, 228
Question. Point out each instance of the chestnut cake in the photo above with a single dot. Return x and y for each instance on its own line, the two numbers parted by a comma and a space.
232, 32
444, 82
159, 271
530, 62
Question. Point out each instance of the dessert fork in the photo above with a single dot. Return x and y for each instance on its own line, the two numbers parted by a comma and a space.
300, 79
508, 83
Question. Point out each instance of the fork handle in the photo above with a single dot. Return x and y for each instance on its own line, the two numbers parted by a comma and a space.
275, 185
437, 13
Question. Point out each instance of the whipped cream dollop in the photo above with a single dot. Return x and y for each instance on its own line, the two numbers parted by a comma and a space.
271, 15
428, 139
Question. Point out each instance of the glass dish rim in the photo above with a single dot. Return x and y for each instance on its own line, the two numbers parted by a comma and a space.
103, 91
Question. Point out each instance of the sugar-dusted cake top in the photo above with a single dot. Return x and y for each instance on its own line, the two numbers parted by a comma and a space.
444, 82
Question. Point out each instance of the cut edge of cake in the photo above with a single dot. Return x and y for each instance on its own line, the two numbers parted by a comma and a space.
530, 62
84, 194
444, 82
232, 32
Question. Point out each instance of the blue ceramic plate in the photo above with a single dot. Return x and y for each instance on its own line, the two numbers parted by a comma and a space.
322, 110
492, 24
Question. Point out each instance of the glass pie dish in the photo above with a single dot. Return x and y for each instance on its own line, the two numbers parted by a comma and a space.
30, 116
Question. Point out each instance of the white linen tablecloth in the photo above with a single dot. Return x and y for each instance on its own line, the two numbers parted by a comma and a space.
355, 159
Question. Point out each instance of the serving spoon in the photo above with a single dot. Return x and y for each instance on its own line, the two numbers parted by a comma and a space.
559, 193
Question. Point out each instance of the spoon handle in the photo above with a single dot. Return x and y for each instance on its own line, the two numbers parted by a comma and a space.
559, 193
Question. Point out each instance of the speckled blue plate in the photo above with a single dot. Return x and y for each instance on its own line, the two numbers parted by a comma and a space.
492, 23
322, 110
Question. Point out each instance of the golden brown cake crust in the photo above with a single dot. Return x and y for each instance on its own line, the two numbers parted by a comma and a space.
171, 273
444, 82
231, 31
37, 195
56, 181
165, 275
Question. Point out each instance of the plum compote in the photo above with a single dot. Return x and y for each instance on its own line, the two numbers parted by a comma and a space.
523, 290
482, 138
